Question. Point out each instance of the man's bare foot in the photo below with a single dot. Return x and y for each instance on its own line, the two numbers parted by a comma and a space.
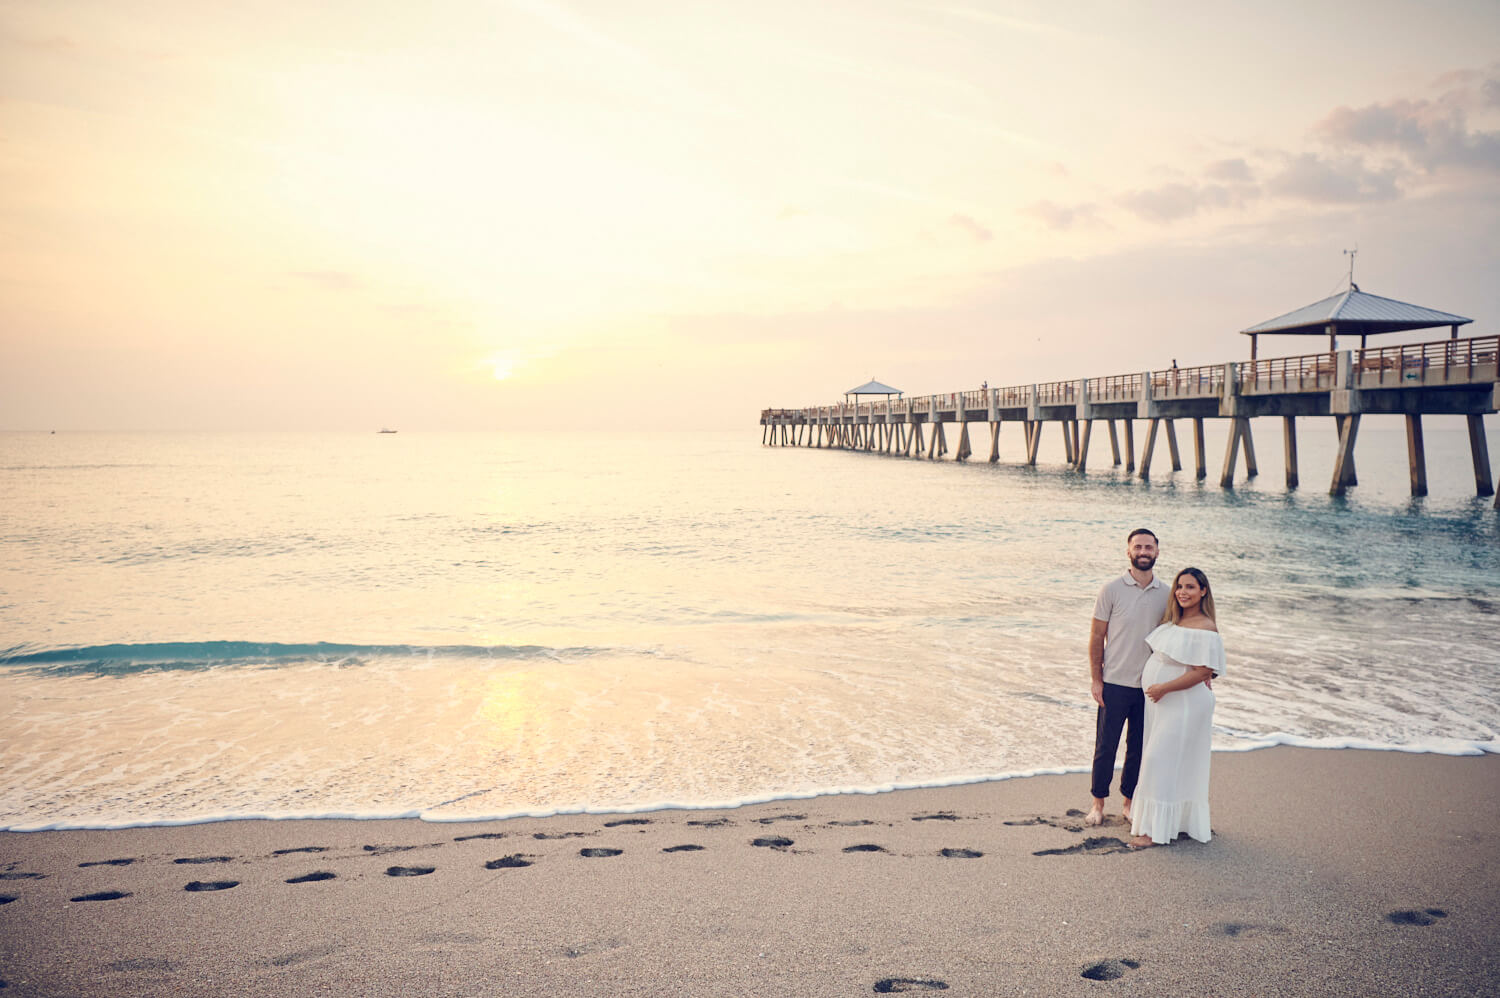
1141, 842
1096, 814
1125, 810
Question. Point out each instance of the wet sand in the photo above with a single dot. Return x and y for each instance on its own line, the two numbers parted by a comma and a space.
1330, 873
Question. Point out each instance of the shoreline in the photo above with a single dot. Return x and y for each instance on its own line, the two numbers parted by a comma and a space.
1453, 748
1329, 873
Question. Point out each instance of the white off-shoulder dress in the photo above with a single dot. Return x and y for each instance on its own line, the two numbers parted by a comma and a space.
1171, 796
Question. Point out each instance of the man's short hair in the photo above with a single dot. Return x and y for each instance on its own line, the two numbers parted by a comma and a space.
1141, 530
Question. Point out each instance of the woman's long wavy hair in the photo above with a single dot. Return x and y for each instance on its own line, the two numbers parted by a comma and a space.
1174, 612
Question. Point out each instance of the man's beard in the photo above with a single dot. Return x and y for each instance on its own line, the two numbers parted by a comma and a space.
1144, 562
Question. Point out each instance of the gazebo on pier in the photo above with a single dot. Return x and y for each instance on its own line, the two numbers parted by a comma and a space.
1353, 313
873, 387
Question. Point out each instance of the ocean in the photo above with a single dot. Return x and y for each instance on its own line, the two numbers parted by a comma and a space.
200, 627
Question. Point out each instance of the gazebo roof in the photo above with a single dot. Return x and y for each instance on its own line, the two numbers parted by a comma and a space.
1358, 312
873, 388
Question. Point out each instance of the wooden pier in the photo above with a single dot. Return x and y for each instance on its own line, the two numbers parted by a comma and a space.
1449, 376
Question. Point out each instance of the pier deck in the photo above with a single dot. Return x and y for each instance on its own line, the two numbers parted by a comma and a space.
1450, 376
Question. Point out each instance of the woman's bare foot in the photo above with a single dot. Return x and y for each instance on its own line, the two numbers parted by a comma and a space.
1141, 842
1125, 810
1096, 813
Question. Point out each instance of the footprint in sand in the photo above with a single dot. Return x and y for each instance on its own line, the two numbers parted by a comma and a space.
386, 850
302, 956
1235, 930
481, 835
684, 848
851, 824
23, 876
781, 817
204, 859
211, 885
1049, 822
1427, 916
773, 842
8, 898
599, 853
515, 861
866, 847
627, 821
896, 985
1109, 970
712, 823
960, 854
310, 878
107, 862
409, 871
545, 836
288, 852
102, 896
1103, 845
937, 816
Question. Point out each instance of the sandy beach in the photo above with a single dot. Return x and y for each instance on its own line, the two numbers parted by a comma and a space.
1330, 872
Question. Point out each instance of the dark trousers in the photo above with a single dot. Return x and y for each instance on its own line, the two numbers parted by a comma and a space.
1123, 706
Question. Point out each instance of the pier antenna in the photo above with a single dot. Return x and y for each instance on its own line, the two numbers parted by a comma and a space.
1351, 254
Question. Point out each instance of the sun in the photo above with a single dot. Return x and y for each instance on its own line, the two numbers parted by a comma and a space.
502, 364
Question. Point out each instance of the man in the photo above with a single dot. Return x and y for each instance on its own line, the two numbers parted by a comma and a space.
1128, 609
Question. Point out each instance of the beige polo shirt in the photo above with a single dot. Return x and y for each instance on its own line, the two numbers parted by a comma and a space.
1132, 612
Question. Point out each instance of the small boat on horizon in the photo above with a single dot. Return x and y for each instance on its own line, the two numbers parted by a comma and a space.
384, 430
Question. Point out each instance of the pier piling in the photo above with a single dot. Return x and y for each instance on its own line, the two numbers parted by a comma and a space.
1148, 449
1416, 454
1289, 441
1481, 452
1343, 465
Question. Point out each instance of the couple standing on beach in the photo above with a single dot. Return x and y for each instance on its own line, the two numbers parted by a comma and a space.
1165, 640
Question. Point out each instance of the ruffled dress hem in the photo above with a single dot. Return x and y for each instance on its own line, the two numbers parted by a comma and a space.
1165, 820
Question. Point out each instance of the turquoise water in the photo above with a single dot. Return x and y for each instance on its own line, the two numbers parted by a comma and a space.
453, 626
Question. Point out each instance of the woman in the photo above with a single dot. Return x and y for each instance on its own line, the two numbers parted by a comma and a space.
1172, 795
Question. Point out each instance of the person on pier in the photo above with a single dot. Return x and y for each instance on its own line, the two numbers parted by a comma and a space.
1126, 610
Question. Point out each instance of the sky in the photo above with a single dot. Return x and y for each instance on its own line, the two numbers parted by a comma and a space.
530, 214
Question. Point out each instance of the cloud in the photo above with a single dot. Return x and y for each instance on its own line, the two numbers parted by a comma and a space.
1371, 152
49, 43
971, 228
1229, 170
1176, 201
1310, 177
1060, 217
1431, 134
330, 280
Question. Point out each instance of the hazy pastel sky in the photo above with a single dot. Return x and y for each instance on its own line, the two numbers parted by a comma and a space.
520, 213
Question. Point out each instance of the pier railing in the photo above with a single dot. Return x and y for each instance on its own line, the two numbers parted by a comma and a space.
1441, 362
1313, 372
1115, 388
1471, 361
1056, 392
1188, 382
1013, 397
